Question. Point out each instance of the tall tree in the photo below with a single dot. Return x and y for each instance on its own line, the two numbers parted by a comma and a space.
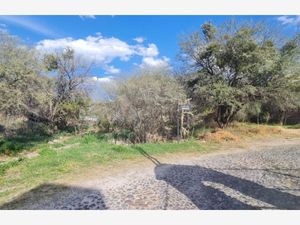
70, 99
234, 67
20, 69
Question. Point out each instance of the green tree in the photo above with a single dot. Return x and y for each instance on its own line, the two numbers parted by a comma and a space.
236, 66
19, 73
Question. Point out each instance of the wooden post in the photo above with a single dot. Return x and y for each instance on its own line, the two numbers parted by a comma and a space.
177, 122
181, 123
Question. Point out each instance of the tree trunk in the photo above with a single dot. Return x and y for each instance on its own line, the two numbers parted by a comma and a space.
282, 118
218, 118
225, 115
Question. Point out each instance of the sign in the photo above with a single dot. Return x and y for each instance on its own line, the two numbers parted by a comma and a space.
185, 107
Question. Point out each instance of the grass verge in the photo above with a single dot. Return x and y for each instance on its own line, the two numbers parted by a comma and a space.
69, 155
65, 155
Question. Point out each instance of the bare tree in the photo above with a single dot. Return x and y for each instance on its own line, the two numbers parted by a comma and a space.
70, 98
146, 105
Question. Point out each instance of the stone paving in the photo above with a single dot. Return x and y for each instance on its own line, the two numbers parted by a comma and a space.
266, 178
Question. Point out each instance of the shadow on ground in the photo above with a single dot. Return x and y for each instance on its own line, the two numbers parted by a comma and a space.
208, 188
53, 196
194, 182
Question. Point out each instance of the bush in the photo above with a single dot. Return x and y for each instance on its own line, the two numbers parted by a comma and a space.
124, 135
89, 138
146, 105
104, 125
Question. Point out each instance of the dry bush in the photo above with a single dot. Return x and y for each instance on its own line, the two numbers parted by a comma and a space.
237, 132
255, 130
220, 136
146, 105
265, 130
155, 138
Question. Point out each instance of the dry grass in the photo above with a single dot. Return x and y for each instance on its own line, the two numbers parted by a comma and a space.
249, 130
238, 131
219, 136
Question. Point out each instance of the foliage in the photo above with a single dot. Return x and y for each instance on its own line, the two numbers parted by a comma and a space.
38, 100
233, 72
146, 104
236, 67
70, 99
19, 76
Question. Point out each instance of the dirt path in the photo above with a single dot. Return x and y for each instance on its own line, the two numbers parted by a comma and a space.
264, 174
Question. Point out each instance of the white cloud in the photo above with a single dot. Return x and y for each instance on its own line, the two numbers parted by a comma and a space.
102, 51
28, 23
289, 20
155, 62
111, 69
95, 49
100, 87
139, 39
83, 17
3, 27
102, 79
150, 57
150, 51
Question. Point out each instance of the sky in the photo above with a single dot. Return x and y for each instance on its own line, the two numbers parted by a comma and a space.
117, 45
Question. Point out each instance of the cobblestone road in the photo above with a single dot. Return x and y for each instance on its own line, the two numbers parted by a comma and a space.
267, 178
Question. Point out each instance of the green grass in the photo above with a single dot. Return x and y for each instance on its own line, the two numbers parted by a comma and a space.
295, 126
59, 159
75, 153
20, 143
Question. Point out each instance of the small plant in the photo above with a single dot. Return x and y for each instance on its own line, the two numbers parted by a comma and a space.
89, 138
104, 136
124, 135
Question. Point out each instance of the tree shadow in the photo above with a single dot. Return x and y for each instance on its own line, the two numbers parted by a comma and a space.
146, 155
192, 182
54, 196
195, 183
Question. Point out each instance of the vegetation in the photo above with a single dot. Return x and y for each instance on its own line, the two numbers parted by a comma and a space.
236, 72
37, 101
71, 154
146, 106
238, 69
233, 73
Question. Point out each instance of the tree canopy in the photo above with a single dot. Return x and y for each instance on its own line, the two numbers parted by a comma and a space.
235, 67
232, 72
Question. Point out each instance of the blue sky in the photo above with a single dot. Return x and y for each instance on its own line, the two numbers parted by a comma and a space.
119, 44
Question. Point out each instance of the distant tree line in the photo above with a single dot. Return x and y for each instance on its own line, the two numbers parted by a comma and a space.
232, 72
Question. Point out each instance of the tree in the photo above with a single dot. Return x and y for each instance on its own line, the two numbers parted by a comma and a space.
70, 98
233, 68
146, 105
284, 87
27, 91
19, 73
